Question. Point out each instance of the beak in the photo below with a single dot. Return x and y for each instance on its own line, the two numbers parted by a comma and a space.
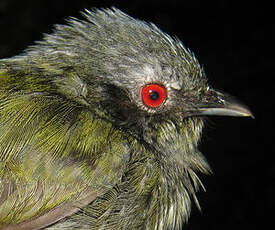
222, 104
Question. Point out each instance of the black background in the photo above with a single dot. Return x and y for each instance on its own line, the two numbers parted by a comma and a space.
234, 42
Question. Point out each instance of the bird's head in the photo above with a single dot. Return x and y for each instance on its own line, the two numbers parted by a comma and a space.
129, 72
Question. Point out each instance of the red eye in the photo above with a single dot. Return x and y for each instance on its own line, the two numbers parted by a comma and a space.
153, 95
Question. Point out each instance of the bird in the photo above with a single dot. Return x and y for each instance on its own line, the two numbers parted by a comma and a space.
100, 123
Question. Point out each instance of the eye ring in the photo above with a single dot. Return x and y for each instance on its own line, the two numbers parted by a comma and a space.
153, 95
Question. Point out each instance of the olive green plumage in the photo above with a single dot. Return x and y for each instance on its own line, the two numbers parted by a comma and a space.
79, 146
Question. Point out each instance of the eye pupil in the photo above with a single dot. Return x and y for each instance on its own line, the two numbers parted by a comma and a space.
154, 95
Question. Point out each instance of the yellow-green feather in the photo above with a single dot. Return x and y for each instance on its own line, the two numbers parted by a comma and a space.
51, 151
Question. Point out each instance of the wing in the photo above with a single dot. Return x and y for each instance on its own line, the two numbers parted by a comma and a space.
56, 156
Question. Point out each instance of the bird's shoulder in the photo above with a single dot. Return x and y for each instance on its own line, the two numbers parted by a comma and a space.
55, 155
